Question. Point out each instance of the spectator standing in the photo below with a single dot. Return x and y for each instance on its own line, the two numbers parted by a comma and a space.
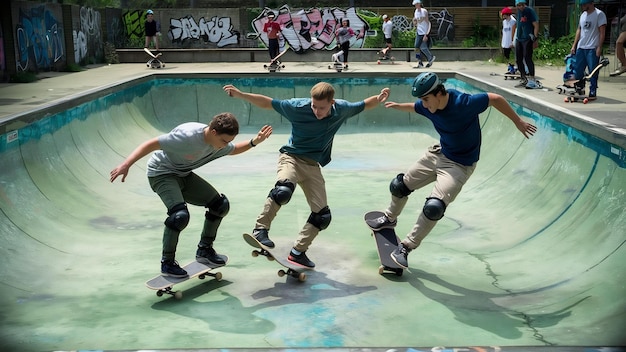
422, 35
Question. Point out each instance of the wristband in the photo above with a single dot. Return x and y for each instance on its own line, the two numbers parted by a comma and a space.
252, 144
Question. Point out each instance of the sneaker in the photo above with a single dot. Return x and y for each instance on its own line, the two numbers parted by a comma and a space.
522, 82
533, 84
207, 255
381, 222
262, 236
300, 259
592, 95
618, 72
400, 254
171, 268
430, 62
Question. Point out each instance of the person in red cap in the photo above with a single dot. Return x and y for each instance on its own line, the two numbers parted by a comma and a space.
273, 31
508, 42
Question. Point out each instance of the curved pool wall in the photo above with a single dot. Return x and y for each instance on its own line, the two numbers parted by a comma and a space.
530, 254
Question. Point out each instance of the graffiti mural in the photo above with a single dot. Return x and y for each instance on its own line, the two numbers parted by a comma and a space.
311, 29
39, 39
87, 39
443, 25
134, 24
217, 30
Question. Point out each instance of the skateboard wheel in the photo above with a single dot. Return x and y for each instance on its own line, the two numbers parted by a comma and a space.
218, 276
378, 62
381, 270
159, 293
255, 253
281, 273
398, 272
302, 277
201, 277
566, 99
178, 294
585, 101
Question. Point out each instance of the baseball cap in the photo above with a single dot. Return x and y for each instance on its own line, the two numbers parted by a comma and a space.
417, 2
271, 14
385, 17
517, 2
507, 11
149, 12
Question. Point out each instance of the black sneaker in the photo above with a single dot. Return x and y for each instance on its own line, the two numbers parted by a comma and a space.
301, 259
263, 236
171, 268
207, 255
400, 254
381, 222
592, 95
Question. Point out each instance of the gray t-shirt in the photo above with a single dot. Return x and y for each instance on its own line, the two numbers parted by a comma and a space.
182, 150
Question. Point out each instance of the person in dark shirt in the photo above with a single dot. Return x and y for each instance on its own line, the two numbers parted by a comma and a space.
153, 30
449, 163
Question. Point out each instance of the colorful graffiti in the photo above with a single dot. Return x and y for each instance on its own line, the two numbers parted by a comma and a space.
311, 29
134, 23
217, 30
39, 39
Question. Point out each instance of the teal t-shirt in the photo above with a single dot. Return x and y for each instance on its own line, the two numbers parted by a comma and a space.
310, 137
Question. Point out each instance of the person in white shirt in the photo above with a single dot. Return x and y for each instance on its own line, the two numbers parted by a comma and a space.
387, 31
588, 45
422, 35
508, 22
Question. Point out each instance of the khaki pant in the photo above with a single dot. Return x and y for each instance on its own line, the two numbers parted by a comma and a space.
449, 178
308, 175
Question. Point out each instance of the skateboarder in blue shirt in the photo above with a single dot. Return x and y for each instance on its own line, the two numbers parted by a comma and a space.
314, 123
449, 163
175, 154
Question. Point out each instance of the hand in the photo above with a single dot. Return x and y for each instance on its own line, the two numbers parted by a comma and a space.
532, 37
122, 170
231, 90
527, 129
262, 135
391, 104
384, 94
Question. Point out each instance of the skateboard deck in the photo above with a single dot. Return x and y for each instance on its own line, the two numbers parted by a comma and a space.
383, 58
164, 284
571, 98
336, 63
512, 76
275, 64
293, 270
386, 242
154, 62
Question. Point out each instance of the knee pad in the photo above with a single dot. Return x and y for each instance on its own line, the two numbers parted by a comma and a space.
218, 208
434, 208
282, 192
321, 219
398, 188
178, 217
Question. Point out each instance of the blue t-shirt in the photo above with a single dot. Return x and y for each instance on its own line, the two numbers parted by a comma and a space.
458, 125
525, 19
310, 137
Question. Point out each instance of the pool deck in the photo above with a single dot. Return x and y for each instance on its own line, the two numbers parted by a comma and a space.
609, 111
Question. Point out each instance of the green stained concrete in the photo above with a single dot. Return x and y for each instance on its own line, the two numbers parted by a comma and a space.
530, 254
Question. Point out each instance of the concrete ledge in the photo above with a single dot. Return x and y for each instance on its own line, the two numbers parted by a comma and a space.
260, 55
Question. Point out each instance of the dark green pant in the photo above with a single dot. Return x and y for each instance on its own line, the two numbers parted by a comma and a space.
191, 189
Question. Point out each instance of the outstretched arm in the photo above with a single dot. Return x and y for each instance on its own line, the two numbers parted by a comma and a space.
374, 100
407, 107
262, 101
142, 150
262, 135
498, 102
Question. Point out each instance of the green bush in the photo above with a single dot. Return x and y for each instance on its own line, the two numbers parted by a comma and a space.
553, 51
23, 77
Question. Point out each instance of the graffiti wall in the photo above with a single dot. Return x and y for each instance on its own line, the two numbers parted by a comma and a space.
87, 35
311, 29
38, 36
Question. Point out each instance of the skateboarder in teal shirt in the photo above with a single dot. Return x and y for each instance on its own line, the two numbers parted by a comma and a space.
449, 163
314, 123
175, 154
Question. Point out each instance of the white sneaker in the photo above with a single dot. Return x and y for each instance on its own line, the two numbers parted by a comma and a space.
430, 62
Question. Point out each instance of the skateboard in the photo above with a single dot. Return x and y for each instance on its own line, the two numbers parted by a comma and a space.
154, 62
571, 98
512, 76
386, 242
164, 284
293, 270
336, 64
275, 64
383, 58
577, 93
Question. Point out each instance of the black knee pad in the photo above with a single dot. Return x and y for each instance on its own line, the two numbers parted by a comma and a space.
321, 219
178, 217
282, 192
434, 208
218, 208
398, 188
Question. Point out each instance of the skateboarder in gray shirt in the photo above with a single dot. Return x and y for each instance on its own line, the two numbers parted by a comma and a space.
170, 174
